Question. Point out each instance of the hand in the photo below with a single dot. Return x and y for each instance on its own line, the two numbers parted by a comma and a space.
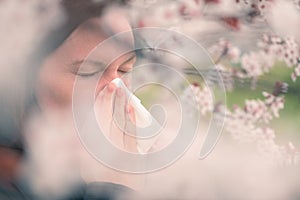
114, 117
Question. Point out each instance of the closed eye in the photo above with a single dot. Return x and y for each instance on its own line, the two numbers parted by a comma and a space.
127, 66
89, 68
87, 74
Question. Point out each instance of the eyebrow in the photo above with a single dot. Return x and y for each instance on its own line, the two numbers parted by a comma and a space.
93, 62
99, 63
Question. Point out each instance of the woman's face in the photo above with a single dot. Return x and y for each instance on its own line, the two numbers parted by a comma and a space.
60, 70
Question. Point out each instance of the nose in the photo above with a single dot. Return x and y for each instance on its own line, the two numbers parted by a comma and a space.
108, 75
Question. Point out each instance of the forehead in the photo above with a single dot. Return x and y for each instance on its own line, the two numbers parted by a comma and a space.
111, 22
94, 32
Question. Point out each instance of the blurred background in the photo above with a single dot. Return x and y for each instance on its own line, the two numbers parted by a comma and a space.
248, 47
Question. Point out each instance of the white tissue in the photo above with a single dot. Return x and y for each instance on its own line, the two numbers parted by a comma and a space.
147, 128
142, 116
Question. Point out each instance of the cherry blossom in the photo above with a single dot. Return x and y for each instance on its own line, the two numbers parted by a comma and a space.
223, 48
249, 123
296, 73
284, 49
242, 125
202, 96
271, 48
236, 64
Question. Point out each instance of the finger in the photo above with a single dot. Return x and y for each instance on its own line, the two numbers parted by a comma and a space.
118, 122
123, 118
131, 114
119, 108
130, 140
104, 108
106, 95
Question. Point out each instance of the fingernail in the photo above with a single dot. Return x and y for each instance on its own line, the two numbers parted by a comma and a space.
110, 87
128, 109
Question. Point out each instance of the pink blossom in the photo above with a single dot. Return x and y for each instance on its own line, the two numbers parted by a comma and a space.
234, 54
258, 109
297, 70
296, 73
225, 49
251, 64
294, 77
203, 98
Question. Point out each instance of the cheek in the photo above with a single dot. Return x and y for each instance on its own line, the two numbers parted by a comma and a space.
54, 88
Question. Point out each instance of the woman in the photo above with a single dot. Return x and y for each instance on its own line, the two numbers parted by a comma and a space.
52, 85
